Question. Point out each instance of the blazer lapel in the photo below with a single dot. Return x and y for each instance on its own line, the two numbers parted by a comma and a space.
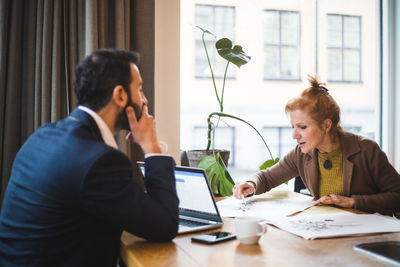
349, 147
311, 171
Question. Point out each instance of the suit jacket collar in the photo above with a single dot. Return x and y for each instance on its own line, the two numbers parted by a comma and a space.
85, 118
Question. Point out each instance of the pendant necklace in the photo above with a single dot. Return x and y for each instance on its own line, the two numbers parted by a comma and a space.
327, 162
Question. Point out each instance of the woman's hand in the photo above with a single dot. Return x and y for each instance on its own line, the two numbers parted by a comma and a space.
243, 188
341, 201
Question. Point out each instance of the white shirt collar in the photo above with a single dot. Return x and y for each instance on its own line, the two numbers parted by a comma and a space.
105, 132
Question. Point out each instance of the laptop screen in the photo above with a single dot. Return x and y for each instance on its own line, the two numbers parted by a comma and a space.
193, 191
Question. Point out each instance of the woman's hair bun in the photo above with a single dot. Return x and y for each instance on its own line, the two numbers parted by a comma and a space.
316, 85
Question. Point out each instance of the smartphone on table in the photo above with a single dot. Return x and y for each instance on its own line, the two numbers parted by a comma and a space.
213, 238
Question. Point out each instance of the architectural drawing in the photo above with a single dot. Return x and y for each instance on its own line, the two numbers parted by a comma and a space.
337, 224
318, 225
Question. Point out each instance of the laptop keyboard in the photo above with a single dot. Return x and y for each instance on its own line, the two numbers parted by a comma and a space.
190, 223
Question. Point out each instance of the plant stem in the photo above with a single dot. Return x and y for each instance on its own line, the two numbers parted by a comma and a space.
223, 89
211, 129
222, 114
209, 64
209, 125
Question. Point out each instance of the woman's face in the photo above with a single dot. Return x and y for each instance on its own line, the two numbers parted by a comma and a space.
308, 133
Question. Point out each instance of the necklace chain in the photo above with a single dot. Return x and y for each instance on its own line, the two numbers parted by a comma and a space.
322, 157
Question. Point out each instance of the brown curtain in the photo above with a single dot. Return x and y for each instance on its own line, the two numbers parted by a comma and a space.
41, 43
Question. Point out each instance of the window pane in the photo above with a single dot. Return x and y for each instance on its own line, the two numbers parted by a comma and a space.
220, 66
201, 61
344, 63
290, 28
271, 62
271, 27
334, 64
289, 68
204, 17
351, 32
334, 31
271, 134
282, 29
224, 22
221, 21
287, 141
279, 140
351, 65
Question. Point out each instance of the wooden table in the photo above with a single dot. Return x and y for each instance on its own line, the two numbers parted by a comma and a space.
276, 248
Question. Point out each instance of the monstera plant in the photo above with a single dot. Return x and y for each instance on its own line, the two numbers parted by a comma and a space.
220, 180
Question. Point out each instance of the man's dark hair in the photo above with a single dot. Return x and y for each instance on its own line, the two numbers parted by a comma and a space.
98, 74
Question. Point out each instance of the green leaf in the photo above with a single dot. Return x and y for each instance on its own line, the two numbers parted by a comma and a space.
268, 163
218, 176
235, 54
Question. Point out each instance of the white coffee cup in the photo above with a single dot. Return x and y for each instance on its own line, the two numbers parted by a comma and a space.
249, 229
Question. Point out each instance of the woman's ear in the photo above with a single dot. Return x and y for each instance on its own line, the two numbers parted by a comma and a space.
327, 125
119, 96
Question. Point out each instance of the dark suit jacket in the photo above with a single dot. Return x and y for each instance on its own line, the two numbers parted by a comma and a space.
70, 196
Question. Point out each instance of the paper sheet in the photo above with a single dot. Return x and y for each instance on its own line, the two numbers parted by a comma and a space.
337, 224
267, 208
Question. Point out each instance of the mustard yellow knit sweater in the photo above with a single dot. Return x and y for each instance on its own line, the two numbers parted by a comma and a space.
331, 180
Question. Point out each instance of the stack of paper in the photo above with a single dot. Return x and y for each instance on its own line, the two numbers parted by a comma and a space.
267, 208
337, 224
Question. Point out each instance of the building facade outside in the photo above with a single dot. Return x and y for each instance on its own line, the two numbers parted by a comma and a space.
287, 40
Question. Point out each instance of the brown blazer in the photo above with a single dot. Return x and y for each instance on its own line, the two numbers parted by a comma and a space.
368, 177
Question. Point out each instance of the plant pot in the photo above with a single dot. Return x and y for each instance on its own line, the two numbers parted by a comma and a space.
194, 156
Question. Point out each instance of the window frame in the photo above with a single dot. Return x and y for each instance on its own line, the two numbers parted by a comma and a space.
342, 49
280, 45
198, 39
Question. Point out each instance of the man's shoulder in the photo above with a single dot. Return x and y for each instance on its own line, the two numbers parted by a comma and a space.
65, 142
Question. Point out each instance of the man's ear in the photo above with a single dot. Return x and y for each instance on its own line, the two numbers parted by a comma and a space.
119, 96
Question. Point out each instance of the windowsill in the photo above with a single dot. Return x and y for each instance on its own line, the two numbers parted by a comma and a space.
352, 82
215, 77
282, 80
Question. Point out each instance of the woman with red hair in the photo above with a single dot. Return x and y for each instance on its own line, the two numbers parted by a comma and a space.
336, 166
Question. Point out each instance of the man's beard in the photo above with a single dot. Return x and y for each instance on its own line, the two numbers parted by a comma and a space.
122, 121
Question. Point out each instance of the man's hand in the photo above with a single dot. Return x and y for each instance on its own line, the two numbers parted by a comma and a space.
341, 201
243, 188
143, 131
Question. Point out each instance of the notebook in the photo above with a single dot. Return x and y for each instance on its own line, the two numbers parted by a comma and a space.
197, 207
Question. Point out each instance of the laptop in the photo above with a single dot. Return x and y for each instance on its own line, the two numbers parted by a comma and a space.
197, 207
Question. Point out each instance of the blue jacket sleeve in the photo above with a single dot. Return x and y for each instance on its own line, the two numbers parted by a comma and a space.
110, 193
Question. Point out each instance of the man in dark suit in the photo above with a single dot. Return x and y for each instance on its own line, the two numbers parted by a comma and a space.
71, 192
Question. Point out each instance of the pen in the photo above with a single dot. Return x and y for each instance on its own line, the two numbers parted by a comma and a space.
244, 201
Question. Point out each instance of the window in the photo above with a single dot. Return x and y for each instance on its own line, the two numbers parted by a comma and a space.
279, 139
221, 21
287, 40
281, 45
344, 48
225, 137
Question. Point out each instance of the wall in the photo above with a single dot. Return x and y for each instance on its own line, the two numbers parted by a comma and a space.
167, 74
